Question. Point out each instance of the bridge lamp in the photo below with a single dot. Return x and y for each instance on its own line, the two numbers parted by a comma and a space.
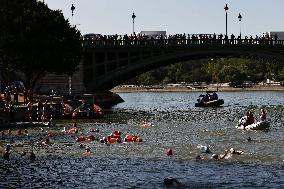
133, 18
226, 10
72, 9
240, 19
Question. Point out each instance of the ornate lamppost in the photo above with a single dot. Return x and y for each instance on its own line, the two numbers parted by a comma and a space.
133, 18
226, 10
240, 19
72, 9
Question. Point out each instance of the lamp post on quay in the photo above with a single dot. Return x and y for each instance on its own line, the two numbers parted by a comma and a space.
226, 10
240, 19
133, 18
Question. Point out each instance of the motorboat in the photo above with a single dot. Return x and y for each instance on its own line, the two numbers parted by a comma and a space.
209, 100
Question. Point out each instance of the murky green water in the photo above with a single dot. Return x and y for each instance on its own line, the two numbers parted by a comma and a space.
177, 125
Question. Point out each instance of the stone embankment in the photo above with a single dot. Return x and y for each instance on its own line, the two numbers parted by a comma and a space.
132, 88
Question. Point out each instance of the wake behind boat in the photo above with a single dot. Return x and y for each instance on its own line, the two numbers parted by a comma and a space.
209, 100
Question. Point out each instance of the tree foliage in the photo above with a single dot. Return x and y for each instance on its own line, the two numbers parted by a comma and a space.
214, 70
35, 40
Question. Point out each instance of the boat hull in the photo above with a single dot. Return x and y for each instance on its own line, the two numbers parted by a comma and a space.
213, 103
262, 125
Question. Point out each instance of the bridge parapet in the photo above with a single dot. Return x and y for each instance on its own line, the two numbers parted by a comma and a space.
186, 42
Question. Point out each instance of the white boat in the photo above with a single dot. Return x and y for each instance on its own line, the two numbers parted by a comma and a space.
260, 125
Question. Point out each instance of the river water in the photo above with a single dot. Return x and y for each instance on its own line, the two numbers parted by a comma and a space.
178, 125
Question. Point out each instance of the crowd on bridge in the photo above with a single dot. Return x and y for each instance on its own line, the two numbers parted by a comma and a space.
177, 39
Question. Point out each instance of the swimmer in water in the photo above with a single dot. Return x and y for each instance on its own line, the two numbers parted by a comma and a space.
88, 151
32, 156
171, 182
47, 141
26, 132
6, 155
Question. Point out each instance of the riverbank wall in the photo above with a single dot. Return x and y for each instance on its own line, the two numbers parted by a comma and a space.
125, 89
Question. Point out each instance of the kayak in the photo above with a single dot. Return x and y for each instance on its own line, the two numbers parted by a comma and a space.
261, 125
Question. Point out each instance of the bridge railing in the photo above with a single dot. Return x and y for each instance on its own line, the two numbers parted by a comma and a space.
96, 43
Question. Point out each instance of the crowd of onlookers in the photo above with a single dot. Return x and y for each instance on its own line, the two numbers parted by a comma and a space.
177, 39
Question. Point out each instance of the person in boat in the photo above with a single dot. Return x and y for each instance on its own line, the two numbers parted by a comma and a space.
249, 118
262, 115
205, 98
214, 96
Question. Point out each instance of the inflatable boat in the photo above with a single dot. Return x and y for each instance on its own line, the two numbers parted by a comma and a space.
260, 125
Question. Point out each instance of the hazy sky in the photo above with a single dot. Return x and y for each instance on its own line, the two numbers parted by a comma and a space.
173, 16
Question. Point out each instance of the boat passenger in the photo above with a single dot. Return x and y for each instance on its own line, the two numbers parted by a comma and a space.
249, 118
214, 96
262, 115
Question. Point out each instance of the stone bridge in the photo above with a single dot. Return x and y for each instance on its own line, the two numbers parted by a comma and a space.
108, 63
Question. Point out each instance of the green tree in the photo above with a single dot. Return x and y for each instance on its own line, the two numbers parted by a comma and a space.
35, 40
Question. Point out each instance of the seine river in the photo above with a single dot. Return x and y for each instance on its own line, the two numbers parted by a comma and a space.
178, 125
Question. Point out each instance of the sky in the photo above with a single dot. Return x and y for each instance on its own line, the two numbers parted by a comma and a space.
174, 16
